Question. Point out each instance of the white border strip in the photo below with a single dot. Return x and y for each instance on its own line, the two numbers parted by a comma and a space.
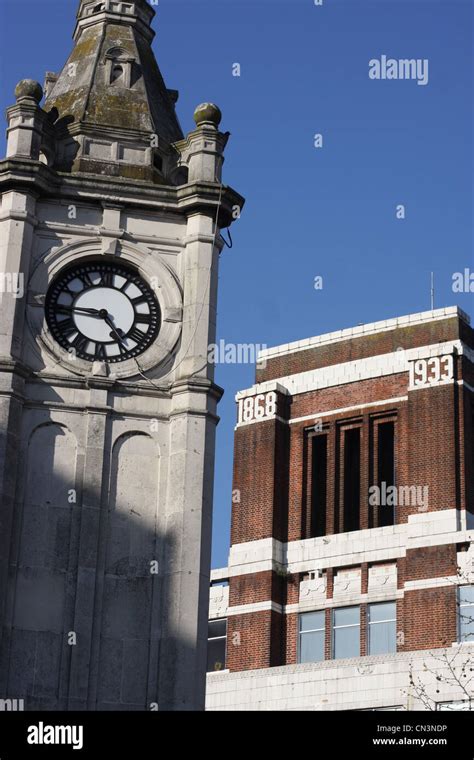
245, 609
422, 584
346, 409
372, 597
317, 416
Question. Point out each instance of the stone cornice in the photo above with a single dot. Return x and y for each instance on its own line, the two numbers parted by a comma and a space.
194, 198
197, 385
15, 367
139, 388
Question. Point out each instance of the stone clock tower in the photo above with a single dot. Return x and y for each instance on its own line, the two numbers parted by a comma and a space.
110, 227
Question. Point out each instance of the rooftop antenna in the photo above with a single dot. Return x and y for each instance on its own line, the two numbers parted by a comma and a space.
432, 292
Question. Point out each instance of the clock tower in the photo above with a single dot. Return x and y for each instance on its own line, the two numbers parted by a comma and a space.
110, 226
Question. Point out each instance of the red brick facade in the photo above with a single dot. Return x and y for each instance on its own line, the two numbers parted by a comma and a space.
431, 427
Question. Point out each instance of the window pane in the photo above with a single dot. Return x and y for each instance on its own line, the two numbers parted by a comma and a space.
319, 485
466, 613
215, 655
312, 621
312, 647
217, 628
352, 480
386, 468
382, 638
467, 628
347, 616
466, 595
347, 642
383, 611
466, 619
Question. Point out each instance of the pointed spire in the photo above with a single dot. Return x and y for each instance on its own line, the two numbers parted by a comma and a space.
115, 115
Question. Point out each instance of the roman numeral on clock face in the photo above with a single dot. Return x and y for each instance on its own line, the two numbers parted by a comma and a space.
107, 279
100, 352
79, 343
84, 277
136, 335
67, 327
143, 319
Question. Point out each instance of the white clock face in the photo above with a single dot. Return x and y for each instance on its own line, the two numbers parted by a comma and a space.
102, 311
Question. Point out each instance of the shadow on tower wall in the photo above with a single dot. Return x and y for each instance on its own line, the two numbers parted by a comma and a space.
86, 623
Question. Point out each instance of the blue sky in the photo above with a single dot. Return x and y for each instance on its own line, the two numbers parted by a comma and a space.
310, 212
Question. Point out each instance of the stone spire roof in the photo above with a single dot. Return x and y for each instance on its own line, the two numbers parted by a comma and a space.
112, 110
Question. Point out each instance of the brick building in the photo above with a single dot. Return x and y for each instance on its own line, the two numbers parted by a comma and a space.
350, 582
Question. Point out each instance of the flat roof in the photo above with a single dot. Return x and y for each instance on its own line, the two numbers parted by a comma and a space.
368, 329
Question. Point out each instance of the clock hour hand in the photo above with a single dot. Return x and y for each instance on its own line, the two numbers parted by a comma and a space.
109, 322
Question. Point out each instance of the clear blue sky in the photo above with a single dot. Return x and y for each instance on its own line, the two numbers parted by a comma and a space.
309, 212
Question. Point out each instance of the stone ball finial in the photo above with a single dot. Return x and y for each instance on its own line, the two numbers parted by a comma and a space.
207, 113
28, 88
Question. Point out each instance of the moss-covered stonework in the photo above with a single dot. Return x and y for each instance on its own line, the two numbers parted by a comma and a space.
136, 107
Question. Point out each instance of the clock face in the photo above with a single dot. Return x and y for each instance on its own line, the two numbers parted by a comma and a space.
102, 311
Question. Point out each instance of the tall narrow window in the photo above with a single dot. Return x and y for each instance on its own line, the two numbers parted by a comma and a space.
216, 645
386, 470
382, 628
346, 632
311, 637
466, 613
319, 468
352, 480
117, 73
119, 67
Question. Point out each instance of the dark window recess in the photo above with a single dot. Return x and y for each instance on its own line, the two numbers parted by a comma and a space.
216, 645
319, 471
352, 480
386, 469
117, 73
158, 162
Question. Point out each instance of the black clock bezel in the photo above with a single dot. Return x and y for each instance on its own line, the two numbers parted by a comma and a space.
59, 285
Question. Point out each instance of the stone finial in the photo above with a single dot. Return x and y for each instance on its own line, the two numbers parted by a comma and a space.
28, 88
207, 113
26, 121
202, 151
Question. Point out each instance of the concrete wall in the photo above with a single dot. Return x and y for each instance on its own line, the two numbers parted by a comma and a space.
366, 683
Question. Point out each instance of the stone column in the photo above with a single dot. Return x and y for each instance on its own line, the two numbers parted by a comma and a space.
17, 223
187, 546
187, 538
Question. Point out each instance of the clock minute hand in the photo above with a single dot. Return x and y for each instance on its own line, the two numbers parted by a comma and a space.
83, 310
79, 309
